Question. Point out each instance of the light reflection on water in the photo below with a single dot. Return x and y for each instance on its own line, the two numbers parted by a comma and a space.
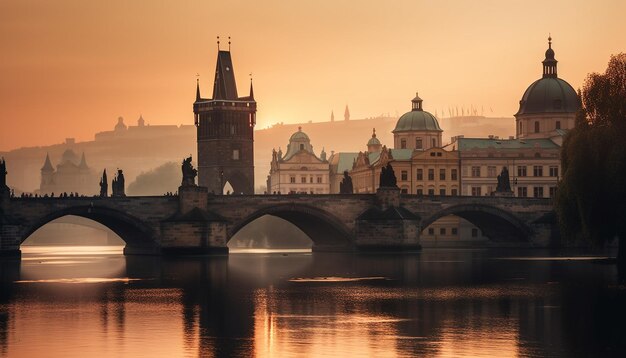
460, 303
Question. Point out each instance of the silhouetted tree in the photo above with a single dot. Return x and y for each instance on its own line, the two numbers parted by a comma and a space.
591, 198
162, 179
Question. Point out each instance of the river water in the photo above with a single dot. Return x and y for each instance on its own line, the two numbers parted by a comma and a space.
93, 301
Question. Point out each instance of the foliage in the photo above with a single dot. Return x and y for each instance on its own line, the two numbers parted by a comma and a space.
158, 181
591, 200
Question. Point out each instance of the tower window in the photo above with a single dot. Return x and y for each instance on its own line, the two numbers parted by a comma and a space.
434, 142
235, 154
403, 144
536, 127
301, 146
418, 143
558, 124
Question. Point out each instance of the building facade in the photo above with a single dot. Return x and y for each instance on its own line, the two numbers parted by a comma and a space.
299, 170
534, 165
420, 164
225, 133
71, 175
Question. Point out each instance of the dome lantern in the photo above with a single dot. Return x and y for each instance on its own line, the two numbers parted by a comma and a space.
417, 103
549, 63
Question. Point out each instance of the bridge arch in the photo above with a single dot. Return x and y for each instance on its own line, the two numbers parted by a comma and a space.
325, 230
496, 223
133, 231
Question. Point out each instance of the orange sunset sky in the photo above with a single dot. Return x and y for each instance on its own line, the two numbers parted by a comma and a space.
70, 68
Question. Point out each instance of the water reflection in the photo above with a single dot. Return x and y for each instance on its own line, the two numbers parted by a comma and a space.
436, 303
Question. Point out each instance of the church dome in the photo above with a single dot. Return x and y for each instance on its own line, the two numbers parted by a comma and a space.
69, 156
417, 119
549, 94
373, 140
299, 135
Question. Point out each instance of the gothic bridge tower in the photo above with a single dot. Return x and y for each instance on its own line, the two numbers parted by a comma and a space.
225, 125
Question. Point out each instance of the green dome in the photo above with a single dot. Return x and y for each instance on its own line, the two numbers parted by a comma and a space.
417, 120
299, 135
549, 95
373, 141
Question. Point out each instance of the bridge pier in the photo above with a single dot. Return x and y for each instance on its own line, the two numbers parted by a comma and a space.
387, 227
193, 230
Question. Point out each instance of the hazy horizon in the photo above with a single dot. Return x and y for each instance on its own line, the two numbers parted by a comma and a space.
70, 68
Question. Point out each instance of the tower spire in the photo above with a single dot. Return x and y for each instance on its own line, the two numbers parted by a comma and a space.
47, 166
198, 88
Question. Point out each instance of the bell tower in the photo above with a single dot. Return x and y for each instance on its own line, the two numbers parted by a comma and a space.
225, 132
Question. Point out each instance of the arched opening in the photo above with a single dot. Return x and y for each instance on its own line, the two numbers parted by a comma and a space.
469, 225
121, 228
227, 189
325, 231
269, 232
73, 230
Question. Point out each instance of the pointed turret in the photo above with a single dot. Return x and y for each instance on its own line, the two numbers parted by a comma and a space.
47, 166
83, 163
251, 90
332, 116
346, 114
198, 98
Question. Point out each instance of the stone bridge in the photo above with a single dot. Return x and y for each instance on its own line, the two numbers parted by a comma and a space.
195, 222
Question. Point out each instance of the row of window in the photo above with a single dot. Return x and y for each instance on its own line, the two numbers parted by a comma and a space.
419, 175
453, 231
537, 127
522, 171
419, 144
303, 179
442, 191
522, 191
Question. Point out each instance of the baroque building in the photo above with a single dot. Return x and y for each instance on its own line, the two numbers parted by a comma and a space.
299, 170
420, 163
547, 110
548, 106
70, 176
225, 132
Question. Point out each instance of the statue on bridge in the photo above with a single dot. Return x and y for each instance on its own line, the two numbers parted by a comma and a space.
3, 175
189, 173
388, 177
345, 187
504, 183
117, 185
104, 185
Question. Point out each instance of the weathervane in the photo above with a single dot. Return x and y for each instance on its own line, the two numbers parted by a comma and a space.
228, 43
218, 43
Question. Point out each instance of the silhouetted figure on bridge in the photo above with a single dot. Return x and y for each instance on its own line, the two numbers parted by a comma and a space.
189, 173
388, 177
104, 185
504, 183
345, 187
117, 185
3, 175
